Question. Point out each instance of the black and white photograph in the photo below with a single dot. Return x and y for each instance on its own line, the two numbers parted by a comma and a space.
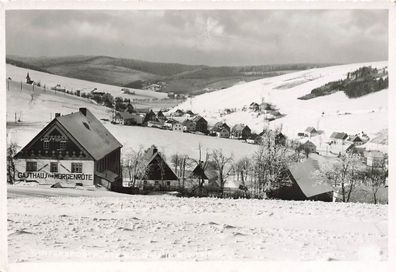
196, 135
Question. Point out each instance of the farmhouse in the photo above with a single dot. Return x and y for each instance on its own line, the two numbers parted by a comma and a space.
188, 125
221, 130
240, 131
338, 137
355, 139
75, 149
311, 131
305, 184
127, 118
158, 174
200, 124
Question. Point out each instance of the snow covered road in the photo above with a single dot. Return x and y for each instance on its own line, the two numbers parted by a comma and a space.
118, 228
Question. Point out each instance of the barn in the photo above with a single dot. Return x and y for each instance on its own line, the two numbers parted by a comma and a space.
304, 184
74, 149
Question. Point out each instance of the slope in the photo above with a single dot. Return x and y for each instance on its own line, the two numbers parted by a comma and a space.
335, 112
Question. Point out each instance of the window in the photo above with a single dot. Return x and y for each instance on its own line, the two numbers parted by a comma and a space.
31, 166
54, 167
62, 145
76, 167
168, 183
46, 144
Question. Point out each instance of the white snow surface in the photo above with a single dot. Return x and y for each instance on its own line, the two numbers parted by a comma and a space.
116, 227
367, 113
50, 80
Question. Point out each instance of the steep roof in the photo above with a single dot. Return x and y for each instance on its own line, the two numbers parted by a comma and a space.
239, 127
154, 164
198, 118
219, 126
304, 174
89, 132
339, 135
310, 130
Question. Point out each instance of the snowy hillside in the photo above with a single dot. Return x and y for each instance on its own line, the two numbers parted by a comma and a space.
19, 74
121, 227
367, 113
36, 109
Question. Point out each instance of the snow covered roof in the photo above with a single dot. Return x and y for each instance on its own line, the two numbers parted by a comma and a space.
310, 130
304, 174
89, 132
339, 135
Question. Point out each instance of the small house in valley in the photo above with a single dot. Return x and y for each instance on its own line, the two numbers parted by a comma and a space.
74, 149
310, 131
129, 119
188, 125
221, 129
158, 174
338, 137
305, 184
240, 131
201, 124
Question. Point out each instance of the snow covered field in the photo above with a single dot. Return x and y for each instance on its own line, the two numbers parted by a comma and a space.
367, 113
102, 226
50, 80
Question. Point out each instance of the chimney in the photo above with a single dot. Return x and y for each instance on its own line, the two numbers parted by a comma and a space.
155, 150
83, 111
57, 114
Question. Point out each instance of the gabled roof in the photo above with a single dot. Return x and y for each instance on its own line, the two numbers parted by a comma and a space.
153, 170
198, 172
355, 138
89, 132
339, 135
219, 126
310, 130
239, 127
198, 118
305, 175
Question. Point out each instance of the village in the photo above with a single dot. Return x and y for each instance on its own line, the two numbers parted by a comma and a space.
215, 175
222, 135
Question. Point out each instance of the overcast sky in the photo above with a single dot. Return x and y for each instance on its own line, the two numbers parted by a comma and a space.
219, 37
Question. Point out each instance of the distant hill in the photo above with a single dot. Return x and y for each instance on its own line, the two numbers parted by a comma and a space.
172, 77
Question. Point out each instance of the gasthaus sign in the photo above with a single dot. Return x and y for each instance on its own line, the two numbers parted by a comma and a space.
52, 171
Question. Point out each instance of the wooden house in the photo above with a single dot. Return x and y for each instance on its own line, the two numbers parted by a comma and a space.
73, 149
189, 125
221, 129
129, 119
304, 183
338, 138
355, 139
158, 175
240, 131
310, 131
150, 116
201, 124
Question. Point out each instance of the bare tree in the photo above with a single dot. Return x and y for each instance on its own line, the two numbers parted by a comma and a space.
375, 177
271, 162
223, 166
242, 167
11, 170
180, 162
135, 164
344, 174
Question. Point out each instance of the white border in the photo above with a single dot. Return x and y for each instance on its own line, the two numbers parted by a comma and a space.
203, 266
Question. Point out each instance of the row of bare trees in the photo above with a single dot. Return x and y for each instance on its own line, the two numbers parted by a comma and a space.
350, 174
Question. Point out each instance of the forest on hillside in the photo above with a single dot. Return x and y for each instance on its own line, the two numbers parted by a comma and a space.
363, 81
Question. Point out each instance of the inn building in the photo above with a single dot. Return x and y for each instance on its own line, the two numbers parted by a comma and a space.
74, 149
